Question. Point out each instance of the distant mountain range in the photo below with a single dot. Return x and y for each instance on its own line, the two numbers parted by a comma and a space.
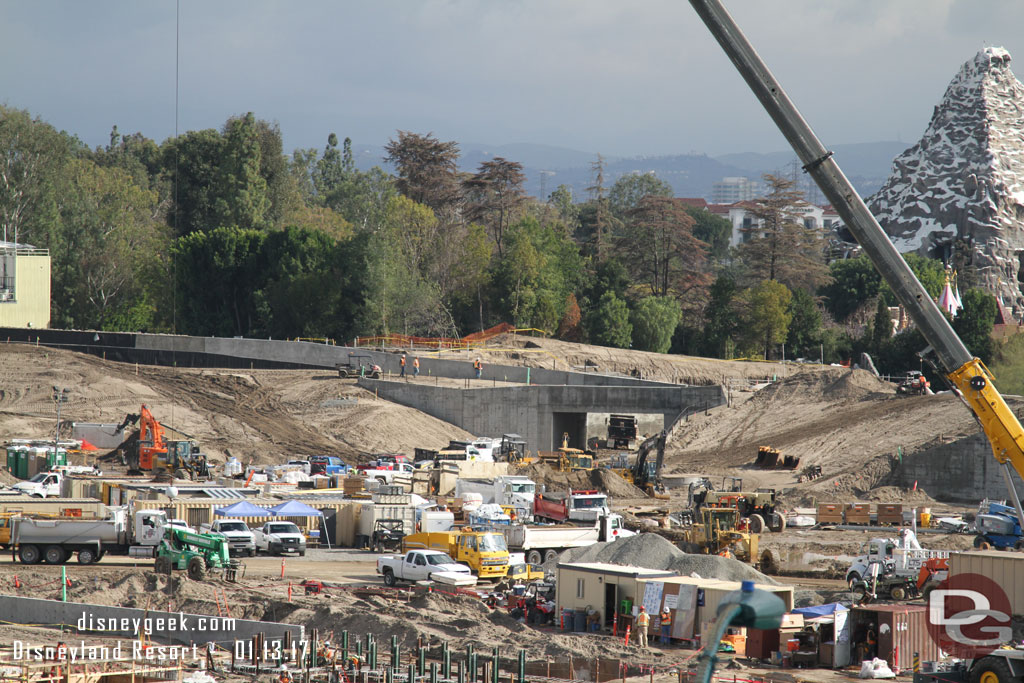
867, 165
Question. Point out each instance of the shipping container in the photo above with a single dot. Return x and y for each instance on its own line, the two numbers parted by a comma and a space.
1005, 569
902, 630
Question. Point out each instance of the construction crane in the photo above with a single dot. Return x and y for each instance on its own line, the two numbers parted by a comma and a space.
967, 375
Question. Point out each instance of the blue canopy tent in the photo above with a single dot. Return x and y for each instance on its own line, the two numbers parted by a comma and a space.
294, 508
243, 508
836, 615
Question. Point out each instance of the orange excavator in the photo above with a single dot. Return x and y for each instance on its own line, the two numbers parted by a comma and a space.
148, 451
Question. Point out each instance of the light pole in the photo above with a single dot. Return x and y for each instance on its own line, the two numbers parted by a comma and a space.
60, 396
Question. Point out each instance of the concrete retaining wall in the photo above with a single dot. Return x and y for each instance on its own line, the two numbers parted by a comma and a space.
530, 410
21, 610
963, 471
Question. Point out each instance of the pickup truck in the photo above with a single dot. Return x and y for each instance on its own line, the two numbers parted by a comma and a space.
424, 565
43, 485
901, 556
386, 475
279, 538
241, 540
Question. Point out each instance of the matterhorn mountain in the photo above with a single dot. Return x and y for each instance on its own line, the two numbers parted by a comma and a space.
962, 185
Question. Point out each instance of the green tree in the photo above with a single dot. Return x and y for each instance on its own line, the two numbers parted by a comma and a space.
881, 326
777, 246
713, 230
626, 193
854, 281
608, 322
193, 164
654, 321
804, 333
427, 171
570, 328
242, 193
766, 317
329, 170
974, 322
720, 321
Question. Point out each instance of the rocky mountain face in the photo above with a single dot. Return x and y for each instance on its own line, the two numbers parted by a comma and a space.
961, 187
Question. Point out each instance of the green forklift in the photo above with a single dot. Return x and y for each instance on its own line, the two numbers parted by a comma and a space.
196, 554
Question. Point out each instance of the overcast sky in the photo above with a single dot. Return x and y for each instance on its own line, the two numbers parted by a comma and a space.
619, 78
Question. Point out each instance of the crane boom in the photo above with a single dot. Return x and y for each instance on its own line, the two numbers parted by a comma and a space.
970, 377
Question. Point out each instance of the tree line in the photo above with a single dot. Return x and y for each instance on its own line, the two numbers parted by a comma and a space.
220, 232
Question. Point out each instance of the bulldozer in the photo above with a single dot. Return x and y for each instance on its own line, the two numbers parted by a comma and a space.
759, 506
196, 554
147, 450
721, 531
568, 459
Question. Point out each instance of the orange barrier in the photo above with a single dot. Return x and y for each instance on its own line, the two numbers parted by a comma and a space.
406, 341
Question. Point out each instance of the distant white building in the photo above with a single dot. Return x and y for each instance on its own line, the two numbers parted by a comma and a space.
743, 220
734, 189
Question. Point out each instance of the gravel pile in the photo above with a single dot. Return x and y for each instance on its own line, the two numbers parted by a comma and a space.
651, 551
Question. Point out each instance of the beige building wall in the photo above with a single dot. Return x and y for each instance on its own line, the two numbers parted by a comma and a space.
30, 305
1005, 569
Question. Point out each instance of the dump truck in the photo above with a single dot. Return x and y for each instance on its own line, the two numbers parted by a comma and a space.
622, 430
126, 532
580, 505
483, 549
542, 543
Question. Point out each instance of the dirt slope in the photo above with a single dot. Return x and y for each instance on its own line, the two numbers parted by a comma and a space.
263, 415
849, 422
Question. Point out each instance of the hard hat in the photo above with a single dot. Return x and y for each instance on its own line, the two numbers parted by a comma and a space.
642, 608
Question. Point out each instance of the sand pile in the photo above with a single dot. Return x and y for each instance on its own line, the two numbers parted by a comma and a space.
654, 552
600, 479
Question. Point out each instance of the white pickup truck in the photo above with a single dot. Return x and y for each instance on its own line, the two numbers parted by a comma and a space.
279, 538
424, 565
241, 540
43, 485
386, 476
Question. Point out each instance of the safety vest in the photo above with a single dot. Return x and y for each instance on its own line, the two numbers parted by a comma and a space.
402, 361
666, 618
643, 619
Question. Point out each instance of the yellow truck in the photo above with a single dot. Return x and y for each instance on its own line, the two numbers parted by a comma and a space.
485, 551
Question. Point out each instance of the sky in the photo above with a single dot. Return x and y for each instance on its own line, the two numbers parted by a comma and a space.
599, 76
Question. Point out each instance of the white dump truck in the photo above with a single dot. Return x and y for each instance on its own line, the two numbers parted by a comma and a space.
542, 543
125, 532
508, 490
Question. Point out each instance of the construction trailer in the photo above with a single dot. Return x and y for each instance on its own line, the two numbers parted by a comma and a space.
607, 588
1003, 568
902, 630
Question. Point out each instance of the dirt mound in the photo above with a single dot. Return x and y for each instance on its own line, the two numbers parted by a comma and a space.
858, 385
833, 384
600, 479
654, 552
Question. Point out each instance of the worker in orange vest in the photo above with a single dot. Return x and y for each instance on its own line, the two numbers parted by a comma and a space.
416, 367
478, 365
666, 625
643, 620
401, 362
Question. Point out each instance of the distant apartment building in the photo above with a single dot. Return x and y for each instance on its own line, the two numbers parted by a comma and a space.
734, 189
24, 286
744, 222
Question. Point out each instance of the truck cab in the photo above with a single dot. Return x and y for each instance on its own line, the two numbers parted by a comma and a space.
43, 485
901, 557
485, 551
327, 464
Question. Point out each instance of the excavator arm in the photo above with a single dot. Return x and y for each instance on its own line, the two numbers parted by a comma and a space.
967, 374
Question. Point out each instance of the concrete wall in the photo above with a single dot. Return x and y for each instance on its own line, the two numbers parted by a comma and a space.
20, 610
529, 410
963, 471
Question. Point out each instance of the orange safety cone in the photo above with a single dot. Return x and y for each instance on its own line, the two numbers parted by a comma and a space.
627, 634
615, 627
17, 581
289, 591
282, 567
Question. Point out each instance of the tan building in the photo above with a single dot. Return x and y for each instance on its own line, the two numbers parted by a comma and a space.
601, 587
1004, 569
24, 286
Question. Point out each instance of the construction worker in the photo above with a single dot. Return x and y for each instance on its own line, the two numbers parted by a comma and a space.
416, 366
284, 676
872, 650
478, 365
643, 620
401, 362
666, 625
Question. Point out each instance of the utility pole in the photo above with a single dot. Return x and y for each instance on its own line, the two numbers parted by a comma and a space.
60, 396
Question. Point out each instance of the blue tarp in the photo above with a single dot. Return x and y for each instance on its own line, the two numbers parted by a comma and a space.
243, 508
820, 610
293, 508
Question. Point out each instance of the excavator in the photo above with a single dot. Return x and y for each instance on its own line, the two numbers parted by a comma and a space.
970, 380
646, 475
147, 451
